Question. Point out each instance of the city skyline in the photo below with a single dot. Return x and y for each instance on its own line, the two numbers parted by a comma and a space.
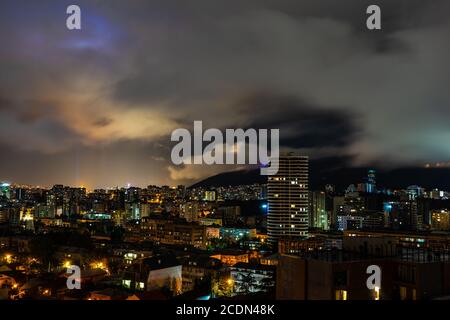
223, 157
217, 243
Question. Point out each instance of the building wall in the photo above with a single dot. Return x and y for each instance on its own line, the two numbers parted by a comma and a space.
317, 279
440, 220
291, 276
258, 277
169, 232
420, 280
167, 277
231, 259
190, 275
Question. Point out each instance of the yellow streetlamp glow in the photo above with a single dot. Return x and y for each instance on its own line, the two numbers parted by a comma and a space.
377, 293
8, 258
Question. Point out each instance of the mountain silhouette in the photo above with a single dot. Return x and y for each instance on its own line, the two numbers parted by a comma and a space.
335, 171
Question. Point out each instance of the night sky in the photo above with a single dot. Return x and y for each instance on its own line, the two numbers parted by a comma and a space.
96, 107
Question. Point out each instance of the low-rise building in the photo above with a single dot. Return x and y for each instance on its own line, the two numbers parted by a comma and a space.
440, 220
196, 269
231, 257
251, 278
176, 232
237, 234
154, 273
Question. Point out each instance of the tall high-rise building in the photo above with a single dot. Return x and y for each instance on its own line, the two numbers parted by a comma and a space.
318, 215
371, 181
371, 177
288, 198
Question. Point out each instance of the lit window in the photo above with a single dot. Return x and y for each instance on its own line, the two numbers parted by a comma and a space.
403, 293
126, 283
341, 294
377, 293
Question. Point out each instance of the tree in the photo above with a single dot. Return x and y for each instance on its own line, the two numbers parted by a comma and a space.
247, 282
221, 286
266, 285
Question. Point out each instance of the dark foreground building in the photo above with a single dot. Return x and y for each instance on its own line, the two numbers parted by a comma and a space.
339, 275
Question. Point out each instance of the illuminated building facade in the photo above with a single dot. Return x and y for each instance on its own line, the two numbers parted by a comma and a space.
288, 199
318, 214
440, 220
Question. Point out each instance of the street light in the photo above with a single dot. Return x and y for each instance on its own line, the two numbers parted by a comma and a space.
8, 258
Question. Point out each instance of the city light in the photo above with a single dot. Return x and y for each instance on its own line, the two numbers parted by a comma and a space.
377, 293
236, 242
8, 258
99, 265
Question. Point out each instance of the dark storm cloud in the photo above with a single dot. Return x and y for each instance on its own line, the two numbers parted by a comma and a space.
139, 69
206, 45
301, 125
